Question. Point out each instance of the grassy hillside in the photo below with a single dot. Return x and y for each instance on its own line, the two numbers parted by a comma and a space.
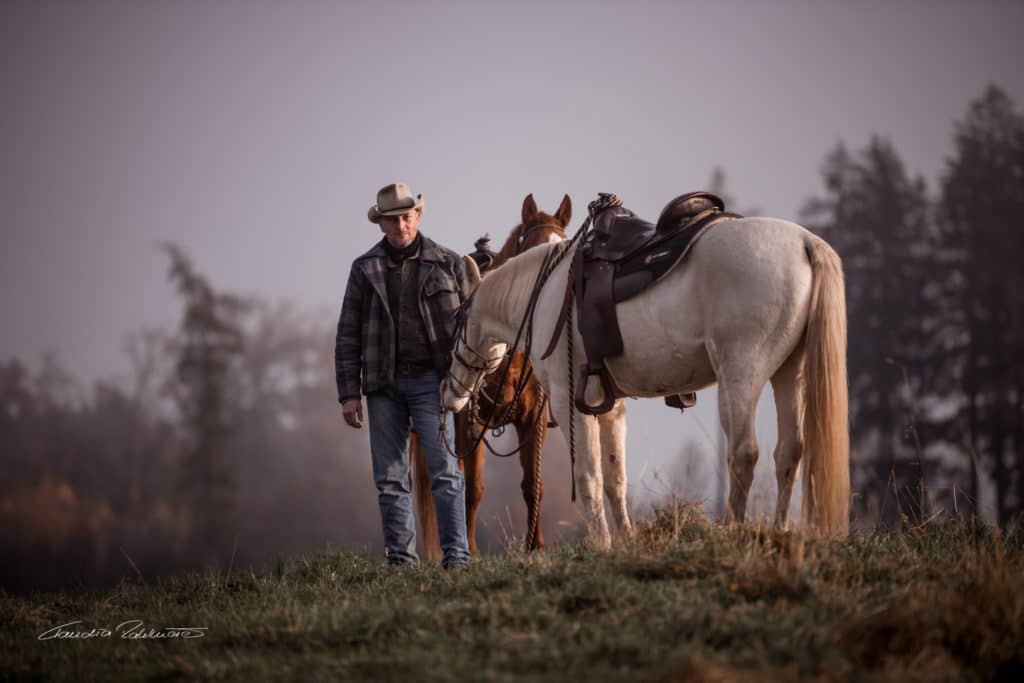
685, 600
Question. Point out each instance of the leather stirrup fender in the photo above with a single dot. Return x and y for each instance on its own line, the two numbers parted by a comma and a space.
575, 266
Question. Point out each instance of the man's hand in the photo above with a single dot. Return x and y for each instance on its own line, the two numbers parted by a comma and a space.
352, 409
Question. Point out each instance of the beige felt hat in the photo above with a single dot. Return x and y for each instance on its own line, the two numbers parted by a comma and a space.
394, 200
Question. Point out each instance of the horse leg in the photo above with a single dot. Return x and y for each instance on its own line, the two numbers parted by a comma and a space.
589, 484
531, 428
613, 464
589, 488
737, 400
790, 447
473, 471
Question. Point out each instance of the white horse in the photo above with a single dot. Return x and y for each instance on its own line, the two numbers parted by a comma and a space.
755, 300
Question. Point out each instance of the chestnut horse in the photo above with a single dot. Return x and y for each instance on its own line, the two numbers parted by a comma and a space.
496, 407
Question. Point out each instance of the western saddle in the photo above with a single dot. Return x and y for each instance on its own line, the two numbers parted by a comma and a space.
620, 257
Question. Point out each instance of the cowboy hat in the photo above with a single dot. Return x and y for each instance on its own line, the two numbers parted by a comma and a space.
394, 200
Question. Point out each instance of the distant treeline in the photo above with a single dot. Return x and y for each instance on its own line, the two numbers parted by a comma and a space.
226, 444
226, 447
935, 295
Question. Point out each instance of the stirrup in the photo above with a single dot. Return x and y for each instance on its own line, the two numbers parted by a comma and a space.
682, 401
607, 404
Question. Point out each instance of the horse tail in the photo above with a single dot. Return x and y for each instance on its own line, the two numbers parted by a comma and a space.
426, 513
826, 417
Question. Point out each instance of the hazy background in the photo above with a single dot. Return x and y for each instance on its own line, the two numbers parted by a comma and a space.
255, 135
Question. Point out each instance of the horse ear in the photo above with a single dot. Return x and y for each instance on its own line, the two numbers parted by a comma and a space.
564, 213
473, 276
529, 210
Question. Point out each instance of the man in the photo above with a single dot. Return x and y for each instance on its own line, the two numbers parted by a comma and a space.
394, 345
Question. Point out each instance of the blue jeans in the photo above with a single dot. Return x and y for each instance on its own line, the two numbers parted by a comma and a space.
388, 413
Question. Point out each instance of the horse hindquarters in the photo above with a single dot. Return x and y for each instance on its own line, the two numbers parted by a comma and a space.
753, 282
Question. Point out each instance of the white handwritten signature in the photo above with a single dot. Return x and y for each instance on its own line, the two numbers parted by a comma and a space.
128, 630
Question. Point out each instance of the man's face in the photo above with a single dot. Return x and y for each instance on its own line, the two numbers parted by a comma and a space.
401, 230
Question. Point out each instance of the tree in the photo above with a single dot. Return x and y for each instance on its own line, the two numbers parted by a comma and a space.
877, 218
208, 352
982, 205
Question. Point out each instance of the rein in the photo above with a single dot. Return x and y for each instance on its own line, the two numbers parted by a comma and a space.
551, 261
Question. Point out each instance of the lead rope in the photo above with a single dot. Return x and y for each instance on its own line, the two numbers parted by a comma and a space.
534, 521
572, 402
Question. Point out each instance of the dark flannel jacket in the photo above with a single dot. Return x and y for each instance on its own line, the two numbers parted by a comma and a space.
364, 353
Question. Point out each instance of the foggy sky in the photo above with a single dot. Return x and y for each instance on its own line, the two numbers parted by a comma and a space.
256, 135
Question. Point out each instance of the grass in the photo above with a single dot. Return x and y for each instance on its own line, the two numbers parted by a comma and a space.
684, 600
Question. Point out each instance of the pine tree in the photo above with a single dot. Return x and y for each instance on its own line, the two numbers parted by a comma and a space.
982, 209
208, 352
877, 218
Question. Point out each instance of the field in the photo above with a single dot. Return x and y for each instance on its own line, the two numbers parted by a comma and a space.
685, 600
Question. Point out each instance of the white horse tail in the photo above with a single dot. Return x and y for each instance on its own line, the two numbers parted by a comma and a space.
826, 418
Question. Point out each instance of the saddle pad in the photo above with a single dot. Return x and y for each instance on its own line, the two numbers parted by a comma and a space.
638, 271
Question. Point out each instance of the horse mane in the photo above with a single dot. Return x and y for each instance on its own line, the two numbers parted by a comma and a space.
507, 287
508, 248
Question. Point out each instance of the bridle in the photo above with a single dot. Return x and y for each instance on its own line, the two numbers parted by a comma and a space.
500, 413
524, 335
460, 339
521, 239
551, 261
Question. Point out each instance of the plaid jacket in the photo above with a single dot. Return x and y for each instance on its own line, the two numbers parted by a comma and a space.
365, 346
